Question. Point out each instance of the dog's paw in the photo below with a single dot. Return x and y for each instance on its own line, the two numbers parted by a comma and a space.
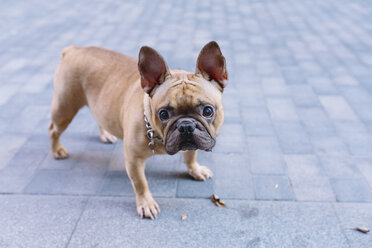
201, 173
147, 207
60, 153
107, 138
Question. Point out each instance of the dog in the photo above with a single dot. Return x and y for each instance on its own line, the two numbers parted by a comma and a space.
154, 109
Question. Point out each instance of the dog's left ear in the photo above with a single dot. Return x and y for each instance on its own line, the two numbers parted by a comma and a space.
211, 64
152, 68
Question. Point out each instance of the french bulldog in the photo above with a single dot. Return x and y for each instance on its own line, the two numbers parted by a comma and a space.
154, 109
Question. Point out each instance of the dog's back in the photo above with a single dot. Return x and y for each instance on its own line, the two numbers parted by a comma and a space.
102, 79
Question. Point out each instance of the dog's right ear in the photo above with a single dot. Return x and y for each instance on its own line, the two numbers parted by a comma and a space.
152, 68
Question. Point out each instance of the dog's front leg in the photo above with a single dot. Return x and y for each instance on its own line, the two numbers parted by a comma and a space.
146, 205
198, 172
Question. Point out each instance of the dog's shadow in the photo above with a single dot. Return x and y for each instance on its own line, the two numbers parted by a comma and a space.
96, 155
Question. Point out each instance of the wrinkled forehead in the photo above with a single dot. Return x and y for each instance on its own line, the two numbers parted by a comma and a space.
185, 90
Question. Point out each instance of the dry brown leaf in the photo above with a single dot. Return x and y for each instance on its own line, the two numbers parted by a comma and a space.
220, 203
362, 229
216, 200
184, 216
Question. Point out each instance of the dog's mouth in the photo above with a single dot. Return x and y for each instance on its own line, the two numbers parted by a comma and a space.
187, 133
187, 145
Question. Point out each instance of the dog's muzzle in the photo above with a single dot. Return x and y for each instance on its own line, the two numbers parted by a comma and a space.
188, 134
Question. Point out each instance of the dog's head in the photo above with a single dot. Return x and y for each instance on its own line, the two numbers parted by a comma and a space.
186, 108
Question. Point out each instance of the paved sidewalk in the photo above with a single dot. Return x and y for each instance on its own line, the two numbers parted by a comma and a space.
293, 161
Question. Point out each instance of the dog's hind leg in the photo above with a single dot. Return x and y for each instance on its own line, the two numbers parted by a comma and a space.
106, 137
62, 114
55, 131
68, 98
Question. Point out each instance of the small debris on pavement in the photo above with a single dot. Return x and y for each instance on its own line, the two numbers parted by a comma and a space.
220, 203
276, 186
216, 200
184, 216
362, 229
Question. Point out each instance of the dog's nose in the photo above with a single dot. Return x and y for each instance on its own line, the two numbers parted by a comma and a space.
186, 127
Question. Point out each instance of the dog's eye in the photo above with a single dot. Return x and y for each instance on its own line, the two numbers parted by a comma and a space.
207, 112
163, 115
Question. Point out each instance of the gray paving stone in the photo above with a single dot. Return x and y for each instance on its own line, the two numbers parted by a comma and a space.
75, 144
268, 187
38, 221
117, 162
281, 109
42, 126
256, 122
284, 57
6, 92
323, 86
316, 122
339, 167
303, 95
293, 75
117, 183
250, 224
311, 68
84, 177
252, 97
23, 165
365, 167
337, 108
232, 111
37, 83
15, 107
354, 215
65, 182
350, 127
360, 144
351, 190
9, 145
326, 59
187, 187
28, 119
302, 54
230, 139
274, 86
14, 65
345, 80
359, 71
292, 138
307, 178
358, 97
267, 67
265, 156
333, 146
232, 178
95, 147
253, 127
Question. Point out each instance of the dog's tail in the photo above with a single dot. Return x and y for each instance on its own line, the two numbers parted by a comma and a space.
66, 50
